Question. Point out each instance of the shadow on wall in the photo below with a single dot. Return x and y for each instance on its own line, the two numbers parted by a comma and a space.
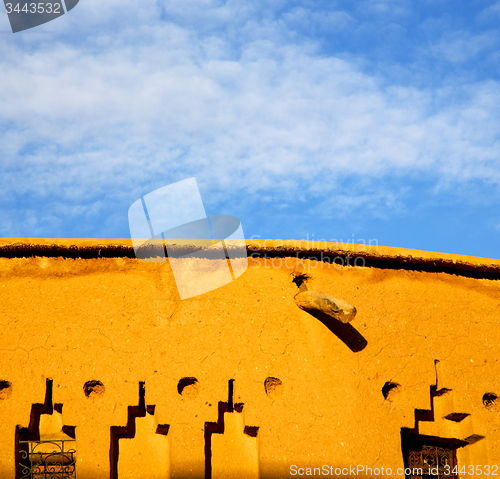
132, 453
345, 332
237, 453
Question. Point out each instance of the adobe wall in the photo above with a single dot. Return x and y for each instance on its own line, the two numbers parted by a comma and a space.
119, 322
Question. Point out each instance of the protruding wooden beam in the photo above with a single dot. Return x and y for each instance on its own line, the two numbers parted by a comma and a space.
334, 307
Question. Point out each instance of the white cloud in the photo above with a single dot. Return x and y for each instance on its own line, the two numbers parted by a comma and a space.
461, 46
238, 102
386, 7
490, 13
307, 20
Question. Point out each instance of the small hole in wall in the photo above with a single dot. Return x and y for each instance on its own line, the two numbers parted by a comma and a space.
188, 387
390, 390
93, 389
300, 279
490, 400
273, 387
5, 390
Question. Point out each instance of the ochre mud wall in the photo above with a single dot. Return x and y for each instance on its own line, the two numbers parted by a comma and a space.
240, 382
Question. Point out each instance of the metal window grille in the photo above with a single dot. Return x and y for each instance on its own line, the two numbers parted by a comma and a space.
48, 459
431, 459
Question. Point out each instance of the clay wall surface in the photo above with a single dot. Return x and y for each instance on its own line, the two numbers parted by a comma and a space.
240, 382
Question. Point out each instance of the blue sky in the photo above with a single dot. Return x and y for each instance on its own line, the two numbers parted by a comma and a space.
332, 120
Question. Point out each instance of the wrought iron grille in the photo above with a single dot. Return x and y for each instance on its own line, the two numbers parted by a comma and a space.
48, 459
432, 462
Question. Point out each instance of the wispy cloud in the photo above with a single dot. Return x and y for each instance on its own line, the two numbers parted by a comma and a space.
461, 46
130, 96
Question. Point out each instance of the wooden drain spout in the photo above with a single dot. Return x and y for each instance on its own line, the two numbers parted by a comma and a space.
333, 307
